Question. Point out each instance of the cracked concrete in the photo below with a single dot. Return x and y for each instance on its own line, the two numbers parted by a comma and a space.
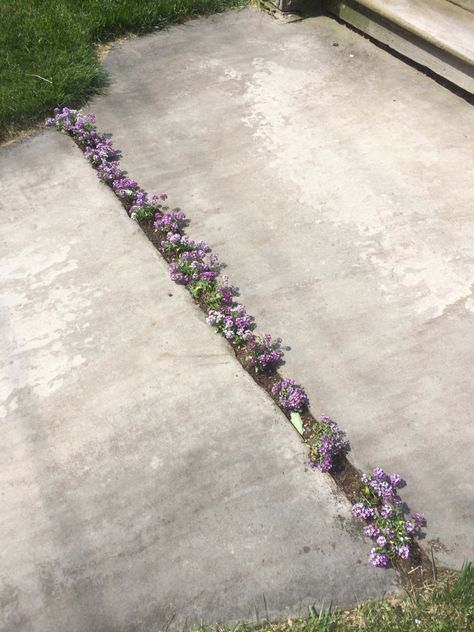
336, 184
147, 481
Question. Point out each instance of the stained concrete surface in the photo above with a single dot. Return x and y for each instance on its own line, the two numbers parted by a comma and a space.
336, 182
147, 482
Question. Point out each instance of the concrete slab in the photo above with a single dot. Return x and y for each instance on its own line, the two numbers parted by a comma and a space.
336, 183
146, 480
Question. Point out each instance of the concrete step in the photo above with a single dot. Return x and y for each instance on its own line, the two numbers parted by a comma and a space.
438, 34
465, 4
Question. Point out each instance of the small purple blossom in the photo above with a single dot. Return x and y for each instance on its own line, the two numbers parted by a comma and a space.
378, 559
227, 291
378, 473
395, 480
359, 510
371, 531
171, 221
290, 395
418, 519
387, 524
124, 186
107, 171
194, 266
326, 442
263, 353
382, 485
232, 321
176, 242
386, 511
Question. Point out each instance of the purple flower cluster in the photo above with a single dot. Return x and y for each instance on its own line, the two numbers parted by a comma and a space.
125, 187
227, 292
263, 354
378, 559
98, 149
381, 507
192, 265
172, 221
72, 121
383, 486
326, 442
232, 321
359, 510
177, 242
291, 395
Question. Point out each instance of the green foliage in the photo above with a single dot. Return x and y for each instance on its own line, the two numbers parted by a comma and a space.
47, 48
207, 291
448, 606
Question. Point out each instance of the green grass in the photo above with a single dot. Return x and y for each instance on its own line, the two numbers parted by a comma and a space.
48, 48
447, 606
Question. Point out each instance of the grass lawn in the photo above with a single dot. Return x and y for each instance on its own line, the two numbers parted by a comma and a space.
446, 606
48, 48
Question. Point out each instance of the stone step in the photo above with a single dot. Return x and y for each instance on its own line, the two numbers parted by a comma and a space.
465, 4
438, 34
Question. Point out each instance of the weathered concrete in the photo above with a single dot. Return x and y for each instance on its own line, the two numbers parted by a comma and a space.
434, 33
465, 4
337, 184
144, 474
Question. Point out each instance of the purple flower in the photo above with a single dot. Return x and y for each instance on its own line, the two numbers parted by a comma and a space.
232, 321
378, 473
391, 531
172, 221
395, 480
386, 511
263, 353
378, 559
403, 551
359, 510
124, 184
290, 395
382, 485
371, 531
418, 519
326, 442
194, 266
176, 242
109, 171
227, 291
